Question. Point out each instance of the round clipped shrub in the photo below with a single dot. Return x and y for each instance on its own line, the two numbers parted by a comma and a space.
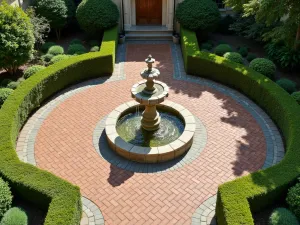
95, 49
47, 58
13, 85
5, 82
251, 56
93, 43
58, 58
243, 51
76, 49
234, 57
293, 199
296, 96
198, 14
56, 50
283, 216
32, 70
290, 87
5, 193
97, 15
14, 216
45, 47
206, 46
222, 49
263, 66
75, 41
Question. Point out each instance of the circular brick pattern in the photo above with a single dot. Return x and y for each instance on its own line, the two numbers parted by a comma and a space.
91, 213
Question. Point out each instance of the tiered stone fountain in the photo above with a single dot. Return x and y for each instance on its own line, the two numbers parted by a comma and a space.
163, 132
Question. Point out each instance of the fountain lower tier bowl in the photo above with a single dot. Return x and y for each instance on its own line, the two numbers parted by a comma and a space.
126, 137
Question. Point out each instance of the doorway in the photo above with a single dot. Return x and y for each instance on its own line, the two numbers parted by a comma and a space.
148, 12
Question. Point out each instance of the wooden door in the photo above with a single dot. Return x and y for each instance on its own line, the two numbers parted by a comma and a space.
148, 12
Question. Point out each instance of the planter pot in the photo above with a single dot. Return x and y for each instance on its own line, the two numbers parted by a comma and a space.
175, 39
122, 39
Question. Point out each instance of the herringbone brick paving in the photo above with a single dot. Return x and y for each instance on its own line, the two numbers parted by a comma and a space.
64, 146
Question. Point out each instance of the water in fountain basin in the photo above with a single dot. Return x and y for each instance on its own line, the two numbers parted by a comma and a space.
129, 128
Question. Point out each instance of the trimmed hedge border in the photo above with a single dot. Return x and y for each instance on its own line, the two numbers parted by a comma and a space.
236, 199
62, 199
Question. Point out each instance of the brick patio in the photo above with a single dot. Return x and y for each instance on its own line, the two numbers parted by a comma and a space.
235, 147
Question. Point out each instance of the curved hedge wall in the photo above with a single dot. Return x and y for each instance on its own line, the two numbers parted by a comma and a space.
236, 199
62, 199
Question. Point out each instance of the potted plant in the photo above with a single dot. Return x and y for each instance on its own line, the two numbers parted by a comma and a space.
122, 38
176, 38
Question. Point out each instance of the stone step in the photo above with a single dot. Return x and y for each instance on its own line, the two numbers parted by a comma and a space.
149, 36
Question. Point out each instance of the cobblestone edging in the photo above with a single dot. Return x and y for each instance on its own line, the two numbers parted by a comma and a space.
91, 213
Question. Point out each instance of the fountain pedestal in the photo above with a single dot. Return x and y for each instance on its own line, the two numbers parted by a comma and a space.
150, 118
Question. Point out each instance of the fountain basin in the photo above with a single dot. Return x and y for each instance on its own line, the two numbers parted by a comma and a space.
149, 154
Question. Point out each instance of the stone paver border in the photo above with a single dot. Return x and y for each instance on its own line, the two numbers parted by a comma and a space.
91, 213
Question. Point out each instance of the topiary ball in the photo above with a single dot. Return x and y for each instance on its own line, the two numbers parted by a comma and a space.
4, 93
75, 41
76, 49
293, 199
243, 51
13, 85
234, 57
290, 87
93, 43
5, 82
14, 216
45, 47
32, 70
283, 216
58, 58
264, 66
206, 46
95, 49
251, 57
47, 58
296, 96
198, 14
56, 50
97, 15
5, 193
222, 49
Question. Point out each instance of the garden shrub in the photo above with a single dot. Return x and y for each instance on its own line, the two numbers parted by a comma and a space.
32, 70
296, 96
14, 216
243, 51
288, 85
283, 216
47, 58
293, 199
222, 49
225, 23
45, 47
5, 193
263, 66
251, 56
198, 14
17, 40
93, 43
206, 46
5, 82
4, 93
13, 85
95, 49
97, 15
76, 49
75, 41
234, 57
58, 58
56, 50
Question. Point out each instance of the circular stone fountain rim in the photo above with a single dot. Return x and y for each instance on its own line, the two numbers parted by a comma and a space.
150, 154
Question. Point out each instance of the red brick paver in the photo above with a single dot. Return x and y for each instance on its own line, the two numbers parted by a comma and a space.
235, 147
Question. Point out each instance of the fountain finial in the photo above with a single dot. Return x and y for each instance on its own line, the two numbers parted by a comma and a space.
150, 62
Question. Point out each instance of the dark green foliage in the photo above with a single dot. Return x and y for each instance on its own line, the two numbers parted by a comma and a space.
256, 191
206, 46
251, 56
243, 51
225, 23
97, 15
47, 58
76, 41
296, 96
95, 49
14, 216
5, 82
283, 56
93, 43
45, 47
282, 216
5, 193
32, 70
58, 58
222, 49
222, 42
293, 199
198, 14
76, 49
263, 66
60, 199
234, 57
288, 85
56, 50
16, 37
13, 85
4, 93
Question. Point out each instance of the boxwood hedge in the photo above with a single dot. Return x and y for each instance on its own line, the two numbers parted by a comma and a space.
61, 199
237, 199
